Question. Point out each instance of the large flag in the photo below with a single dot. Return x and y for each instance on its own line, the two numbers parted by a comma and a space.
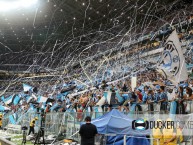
172, 63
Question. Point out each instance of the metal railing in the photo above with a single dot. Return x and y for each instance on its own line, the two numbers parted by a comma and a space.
67, 123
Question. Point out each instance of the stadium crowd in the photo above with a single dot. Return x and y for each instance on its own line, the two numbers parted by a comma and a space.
151, 89
61, 96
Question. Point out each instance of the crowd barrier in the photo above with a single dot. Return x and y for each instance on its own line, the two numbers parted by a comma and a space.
68, 123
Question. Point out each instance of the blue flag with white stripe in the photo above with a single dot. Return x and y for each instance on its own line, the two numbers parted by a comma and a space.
16, 100
55, 107
27, 87
7, 100
3, 108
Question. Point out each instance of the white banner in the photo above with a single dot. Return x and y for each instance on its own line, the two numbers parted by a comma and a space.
133, 83
172, 63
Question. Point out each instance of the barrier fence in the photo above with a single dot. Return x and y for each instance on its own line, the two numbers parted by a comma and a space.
67, 124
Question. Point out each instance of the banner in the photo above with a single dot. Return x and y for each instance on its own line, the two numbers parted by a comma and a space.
172, 63
133, 83
27, 87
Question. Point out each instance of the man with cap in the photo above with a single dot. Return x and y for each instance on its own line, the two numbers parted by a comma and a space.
87, 132
32, 125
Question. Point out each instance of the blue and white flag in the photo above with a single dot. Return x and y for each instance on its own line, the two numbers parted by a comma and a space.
7, 100
55, 107
32, 96
172, 63
42, 99
3, 108
28, 98
43, 105
16, 99
27, 87
31, 107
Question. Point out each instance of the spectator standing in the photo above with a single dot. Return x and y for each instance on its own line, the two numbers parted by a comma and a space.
163, 99
88, 132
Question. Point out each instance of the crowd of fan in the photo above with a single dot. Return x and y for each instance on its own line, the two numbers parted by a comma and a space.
148, 91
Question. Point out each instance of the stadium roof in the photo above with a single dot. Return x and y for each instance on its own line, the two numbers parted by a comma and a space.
50, 32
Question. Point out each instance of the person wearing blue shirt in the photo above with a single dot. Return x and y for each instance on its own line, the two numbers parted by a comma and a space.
123, 102
150, 100
163, 99
145, 97
132, 98
144, 93
157, 94
149, 96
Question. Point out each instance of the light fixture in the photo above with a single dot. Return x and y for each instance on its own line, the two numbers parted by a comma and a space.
16, 4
